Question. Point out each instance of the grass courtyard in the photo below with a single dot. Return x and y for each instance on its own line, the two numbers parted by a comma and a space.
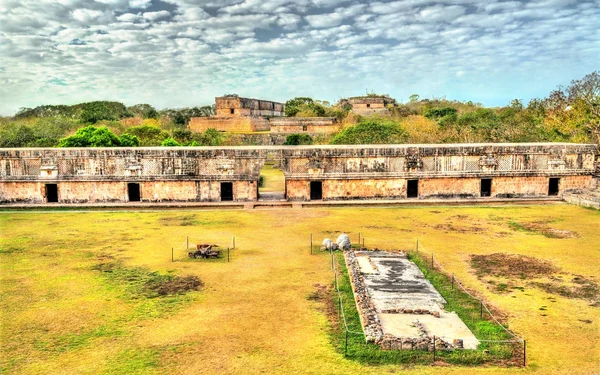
76, 292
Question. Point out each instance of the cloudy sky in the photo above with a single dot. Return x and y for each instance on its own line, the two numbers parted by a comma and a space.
176, 53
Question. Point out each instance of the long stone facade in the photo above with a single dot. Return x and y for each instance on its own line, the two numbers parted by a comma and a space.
213, 174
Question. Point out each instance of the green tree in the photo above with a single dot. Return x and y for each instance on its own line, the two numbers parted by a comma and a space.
148, 135
306, 105
128, 140
371, 131
91, 136
170, 142
143, 111
298, 139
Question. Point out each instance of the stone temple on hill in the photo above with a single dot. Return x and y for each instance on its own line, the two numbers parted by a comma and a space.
245, 115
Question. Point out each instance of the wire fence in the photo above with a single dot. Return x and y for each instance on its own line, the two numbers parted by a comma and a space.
209, 248
497, 344
494, 336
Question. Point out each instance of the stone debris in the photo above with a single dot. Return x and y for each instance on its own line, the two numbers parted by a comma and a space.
343, 241
410, 311
329, 245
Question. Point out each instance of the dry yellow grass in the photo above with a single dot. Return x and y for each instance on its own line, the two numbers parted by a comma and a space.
253, 315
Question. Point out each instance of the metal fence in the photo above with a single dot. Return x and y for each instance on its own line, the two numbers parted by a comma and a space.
473, 310
225, 247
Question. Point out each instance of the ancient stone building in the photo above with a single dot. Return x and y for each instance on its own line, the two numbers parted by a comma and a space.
368, 105
213, 174
235, 114
313, 125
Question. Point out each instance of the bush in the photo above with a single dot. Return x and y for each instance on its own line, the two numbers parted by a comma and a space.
371, 131
298, 139
170, 142
91, 136
148, 135
434, 113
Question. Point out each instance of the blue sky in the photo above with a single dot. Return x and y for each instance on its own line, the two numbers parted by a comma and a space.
178, 53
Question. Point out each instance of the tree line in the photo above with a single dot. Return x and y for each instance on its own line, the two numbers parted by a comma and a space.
568, 114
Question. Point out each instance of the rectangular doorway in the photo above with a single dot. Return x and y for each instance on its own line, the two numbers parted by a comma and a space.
133, 191
316, 190
226, 191
486, 187
51, 193
412, 189
553, 186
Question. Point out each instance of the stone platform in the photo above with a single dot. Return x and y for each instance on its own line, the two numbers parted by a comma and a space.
399, 308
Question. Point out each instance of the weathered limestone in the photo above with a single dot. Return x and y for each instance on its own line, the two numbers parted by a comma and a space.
235, 114
399, 309
202, 174
310, 125
368, 105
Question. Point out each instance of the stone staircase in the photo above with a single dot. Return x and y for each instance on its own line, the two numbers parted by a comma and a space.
587, 197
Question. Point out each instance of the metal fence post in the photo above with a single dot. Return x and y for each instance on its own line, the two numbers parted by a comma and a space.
311, 244
233, 242
172, 255
417, 244
227, 255
452, 281
524, 353
363, 242
433, 348
346, 346
187, 242
481, 308
432, 261
358, 238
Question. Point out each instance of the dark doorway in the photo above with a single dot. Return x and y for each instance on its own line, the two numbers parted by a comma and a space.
553, 186
316, 190
226, 191
133, 191
51, 193
412, 189
486, 187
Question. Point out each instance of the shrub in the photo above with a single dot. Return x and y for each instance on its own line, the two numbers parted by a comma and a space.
371, 131
170, 142
298, 139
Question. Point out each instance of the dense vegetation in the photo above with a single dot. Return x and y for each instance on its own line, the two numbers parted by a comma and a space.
570, 114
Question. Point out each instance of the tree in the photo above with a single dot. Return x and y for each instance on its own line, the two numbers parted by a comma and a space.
91, 136
128, 140
93, 112
148, 135
371, 131
143, 111
434, 113
308, 105
413, 98
298, 139
170, 142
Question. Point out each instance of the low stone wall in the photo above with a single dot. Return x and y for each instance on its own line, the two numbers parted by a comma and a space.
313, 125
228, 124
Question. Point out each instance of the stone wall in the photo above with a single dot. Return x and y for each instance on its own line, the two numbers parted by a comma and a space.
313, 125
228, 124
345, 172
247, 107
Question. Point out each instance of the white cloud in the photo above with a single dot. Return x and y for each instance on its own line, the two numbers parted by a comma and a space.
143, 4
285, 48
86, 15
153, 16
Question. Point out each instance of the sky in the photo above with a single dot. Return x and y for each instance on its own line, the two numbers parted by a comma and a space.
181, 53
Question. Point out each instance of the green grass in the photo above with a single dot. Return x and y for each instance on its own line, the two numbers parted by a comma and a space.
465, 307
